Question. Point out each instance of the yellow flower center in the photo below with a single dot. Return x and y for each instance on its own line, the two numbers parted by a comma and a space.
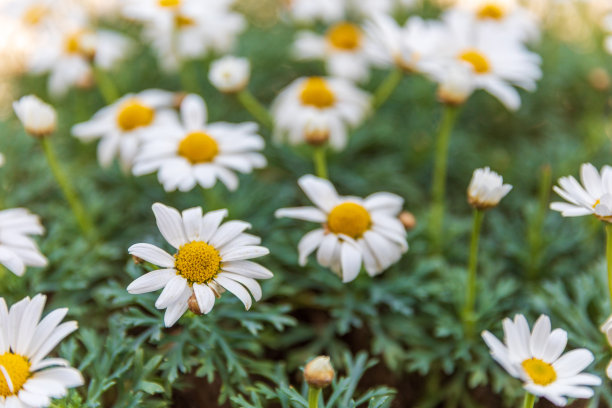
344, 36
490, 10
197, 262
349, 219
198, 147
34, 14
133, 114
479, 62
18, 369
540, 372
169, 3
315, 92
597, 202
72, 43
181, 21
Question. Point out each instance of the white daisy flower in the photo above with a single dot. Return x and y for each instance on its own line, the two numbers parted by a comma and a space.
37, 117
456, 85
27, 378
345, 49
308, 11
195, 152
330, 103
121, 124
186, 29
353, 230
209, 258
17, 249
410, 47
486, 189
536, 359
230, 74
497, 59
606, 329
594, 198
608, 29
2, 160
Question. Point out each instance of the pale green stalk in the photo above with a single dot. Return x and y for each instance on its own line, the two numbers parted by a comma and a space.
386, 88
529, 401
320, 163
107, 88
609, 258
313, 396
255, 108
470, 294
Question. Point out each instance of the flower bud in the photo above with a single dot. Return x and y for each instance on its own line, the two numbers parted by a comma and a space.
38, 118
319, 372
486, 189
408, 220
230, 74
192, 303
456, 86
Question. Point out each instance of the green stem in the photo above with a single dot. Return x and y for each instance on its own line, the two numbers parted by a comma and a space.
313, 396
107, 88
534, 231
255, 108
439, 176
609, 258
529, 401
65, 185
189, 77
386, 88
320, 164
211, 199
469, 317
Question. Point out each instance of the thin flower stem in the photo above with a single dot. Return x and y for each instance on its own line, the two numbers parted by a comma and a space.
320, 163
529, 401
386, 88
255, 108
65, 185
609, 258
534, 230
439, 177
313, 397
107, 88
211, 199
470, 295
189, 77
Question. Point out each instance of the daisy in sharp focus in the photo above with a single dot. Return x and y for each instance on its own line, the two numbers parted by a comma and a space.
353, 230
537, 359
210, 257
17, 249
486, 189
195, 152
27, 378
594, 198
120, 125
345, 49
321, 108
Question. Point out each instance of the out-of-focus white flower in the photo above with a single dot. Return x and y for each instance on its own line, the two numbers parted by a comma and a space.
536, 359
27, 378
210, 257
606, 329
594, 198
345, 49
2, 160
608, 27
121, 124
330, 103
497, 60
456, 85
195, 152
353, 230
486, 189
309, 11
17, 249
230, 74
409, 47
186, 29
38, 118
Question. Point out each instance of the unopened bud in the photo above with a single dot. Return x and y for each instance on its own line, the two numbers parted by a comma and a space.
319, 372
38, 118
192, 303
599, 79
137, 260
408, 220
316, 131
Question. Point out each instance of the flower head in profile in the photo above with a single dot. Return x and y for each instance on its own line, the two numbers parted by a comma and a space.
319, 372
17, 249
354, 231
606, 329
486, 189
319, 109
594, 196
537, 359
230, 74
209, 258
27, 378
195, 152
37, 117
120, 125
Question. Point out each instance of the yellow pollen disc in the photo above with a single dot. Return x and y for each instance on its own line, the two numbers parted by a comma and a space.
198, 147
72, 43
183, 21
479, 62
349, 219
490, 10
315, 92
133, 114
18, 370
596, 203
169, 3
34, 14
540, 372
344, 36
197, 262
